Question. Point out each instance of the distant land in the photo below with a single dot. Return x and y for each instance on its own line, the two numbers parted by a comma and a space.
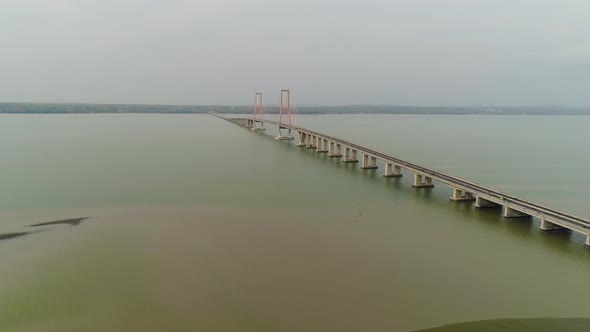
55, 108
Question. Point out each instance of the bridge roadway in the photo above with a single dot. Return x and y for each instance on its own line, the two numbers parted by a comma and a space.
551, 219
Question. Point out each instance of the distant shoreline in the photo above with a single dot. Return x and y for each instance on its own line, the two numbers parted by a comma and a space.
66, 108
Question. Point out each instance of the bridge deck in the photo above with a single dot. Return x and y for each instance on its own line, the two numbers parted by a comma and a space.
551, 215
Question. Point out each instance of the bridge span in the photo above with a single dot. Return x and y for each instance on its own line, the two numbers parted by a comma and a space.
462, 190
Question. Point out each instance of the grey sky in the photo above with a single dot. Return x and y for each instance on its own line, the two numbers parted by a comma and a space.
418, 52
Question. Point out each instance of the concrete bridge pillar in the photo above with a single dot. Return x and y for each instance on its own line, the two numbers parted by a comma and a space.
335, 150
322, 145
461, 196
420, 183
587, 243
249, 124
511, 213
549, 226
253, 126
397, 171
300, 139
310, 141
369, 162
484, 203
349, 155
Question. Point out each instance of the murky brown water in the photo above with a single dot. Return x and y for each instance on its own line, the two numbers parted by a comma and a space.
199, 225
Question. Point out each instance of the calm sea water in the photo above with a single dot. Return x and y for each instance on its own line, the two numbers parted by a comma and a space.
200, 224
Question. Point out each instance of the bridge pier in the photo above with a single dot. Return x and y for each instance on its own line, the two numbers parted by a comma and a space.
281, 137
461, 196
418, 183
484, 203
300, 139
511, 213
366, 165
335, 150
310, 142
397, 171
587, 243
549, 226
349, 155
254, 128
249, 124
322, 145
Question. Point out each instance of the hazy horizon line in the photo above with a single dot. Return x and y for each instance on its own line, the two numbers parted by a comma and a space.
302, 105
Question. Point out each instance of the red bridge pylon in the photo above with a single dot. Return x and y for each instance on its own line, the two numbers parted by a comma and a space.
285, 110
258, 113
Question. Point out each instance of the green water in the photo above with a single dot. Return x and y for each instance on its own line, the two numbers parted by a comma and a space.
201, 225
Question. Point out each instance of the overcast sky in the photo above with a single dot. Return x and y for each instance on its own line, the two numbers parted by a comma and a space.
328, 52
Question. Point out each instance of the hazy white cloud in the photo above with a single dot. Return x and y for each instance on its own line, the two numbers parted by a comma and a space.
423, 52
